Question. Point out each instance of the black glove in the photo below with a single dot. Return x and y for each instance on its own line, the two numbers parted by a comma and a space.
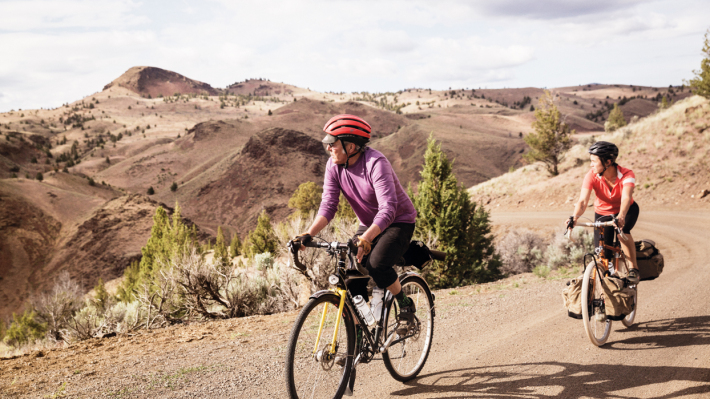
303, 239
570, 222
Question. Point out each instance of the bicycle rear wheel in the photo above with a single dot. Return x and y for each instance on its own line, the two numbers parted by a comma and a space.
406, 358
596, 324
311, 371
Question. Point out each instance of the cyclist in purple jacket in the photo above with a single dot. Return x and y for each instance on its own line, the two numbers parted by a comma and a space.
385, 212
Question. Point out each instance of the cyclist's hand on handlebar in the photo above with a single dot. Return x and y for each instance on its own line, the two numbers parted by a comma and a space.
302, 240
620, 221
569, 223
364, 248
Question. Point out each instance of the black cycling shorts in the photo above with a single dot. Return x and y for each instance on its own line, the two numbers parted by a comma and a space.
609, 233
387, 250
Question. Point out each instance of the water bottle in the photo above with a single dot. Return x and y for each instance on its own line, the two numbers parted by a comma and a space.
376, 304
364, 310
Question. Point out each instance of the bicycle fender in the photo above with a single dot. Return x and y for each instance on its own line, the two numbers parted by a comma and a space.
323, 293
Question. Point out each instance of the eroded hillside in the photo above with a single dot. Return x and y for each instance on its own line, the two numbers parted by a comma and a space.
668, 152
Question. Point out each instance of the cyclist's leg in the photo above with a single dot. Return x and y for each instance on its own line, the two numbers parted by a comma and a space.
627, 245
387, 249
608, 234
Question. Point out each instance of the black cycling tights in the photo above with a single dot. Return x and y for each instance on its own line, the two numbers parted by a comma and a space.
631, 217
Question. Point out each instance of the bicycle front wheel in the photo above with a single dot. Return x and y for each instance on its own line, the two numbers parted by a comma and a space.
596, 324
405, 358
312, 370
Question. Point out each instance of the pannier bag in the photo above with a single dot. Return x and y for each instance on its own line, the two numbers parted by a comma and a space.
618, 301
572, 297
649, 259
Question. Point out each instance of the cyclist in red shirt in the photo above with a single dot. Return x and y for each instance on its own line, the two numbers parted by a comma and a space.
614, 189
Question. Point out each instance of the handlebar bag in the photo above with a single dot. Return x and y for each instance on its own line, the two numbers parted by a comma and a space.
572, 297
649, 259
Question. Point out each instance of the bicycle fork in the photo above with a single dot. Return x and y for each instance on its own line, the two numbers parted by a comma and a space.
341, 292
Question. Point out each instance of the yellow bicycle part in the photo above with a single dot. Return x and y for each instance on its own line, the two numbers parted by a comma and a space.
341, 293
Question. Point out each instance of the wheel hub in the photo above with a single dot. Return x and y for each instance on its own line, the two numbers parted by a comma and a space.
325, 358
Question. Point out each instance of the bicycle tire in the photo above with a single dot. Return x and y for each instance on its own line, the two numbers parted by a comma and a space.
329, 379
597, 331
397, 357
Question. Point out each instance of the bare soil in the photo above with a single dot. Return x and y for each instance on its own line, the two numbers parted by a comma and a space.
510, 338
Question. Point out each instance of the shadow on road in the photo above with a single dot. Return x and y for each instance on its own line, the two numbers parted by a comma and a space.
666, 333
557, 379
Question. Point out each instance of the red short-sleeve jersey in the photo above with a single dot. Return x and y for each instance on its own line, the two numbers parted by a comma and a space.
608, 200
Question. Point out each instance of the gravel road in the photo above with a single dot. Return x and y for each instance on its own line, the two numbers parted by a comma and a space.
510, 338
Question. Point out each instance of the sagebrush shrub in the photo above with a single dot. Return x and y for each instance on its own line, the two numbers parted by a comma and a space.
521, 250
565, 252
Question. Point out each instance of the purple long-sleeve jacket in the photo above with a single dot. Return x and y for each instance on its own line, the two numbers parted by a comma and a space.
372, 189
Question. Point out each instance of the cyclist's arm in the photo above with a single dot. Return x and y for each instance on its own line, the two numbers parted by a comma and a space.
582, 203
331, 195
318, 224
626, 195
383, 183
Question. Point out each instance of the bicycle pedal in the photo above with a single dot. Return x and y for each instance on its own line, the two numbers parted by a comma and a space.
600, 317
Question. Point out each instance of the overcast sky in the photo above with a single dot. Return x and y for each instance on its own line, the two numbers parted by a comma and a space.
58, 51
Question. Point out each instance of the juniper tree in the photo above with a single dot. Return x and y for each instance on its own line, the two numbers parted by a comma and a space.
306, 198
616, 119
221, 255
168, 240
460, 226
101, 296
700, 84
551, 138
262, 239
24, 329
235, 246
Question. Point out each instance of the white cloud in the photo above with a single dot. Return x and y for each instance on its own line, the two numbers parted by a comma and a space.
63, 50
29, 15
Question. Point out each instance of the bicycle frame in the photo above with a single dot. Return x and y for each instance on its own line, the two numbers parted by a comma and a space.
374, 338
599, 251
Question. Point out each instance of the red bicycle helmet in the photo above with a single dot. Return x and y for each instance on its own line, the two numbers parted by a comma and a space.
347, 128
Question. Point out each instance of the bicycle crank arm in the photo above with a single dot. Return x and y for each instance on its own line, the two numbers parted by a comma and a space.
391, 341
387, 343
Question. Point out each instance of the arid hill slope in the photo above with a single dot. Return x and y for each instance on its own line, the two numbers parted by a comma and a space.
667, 151
46, 229
263, 175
